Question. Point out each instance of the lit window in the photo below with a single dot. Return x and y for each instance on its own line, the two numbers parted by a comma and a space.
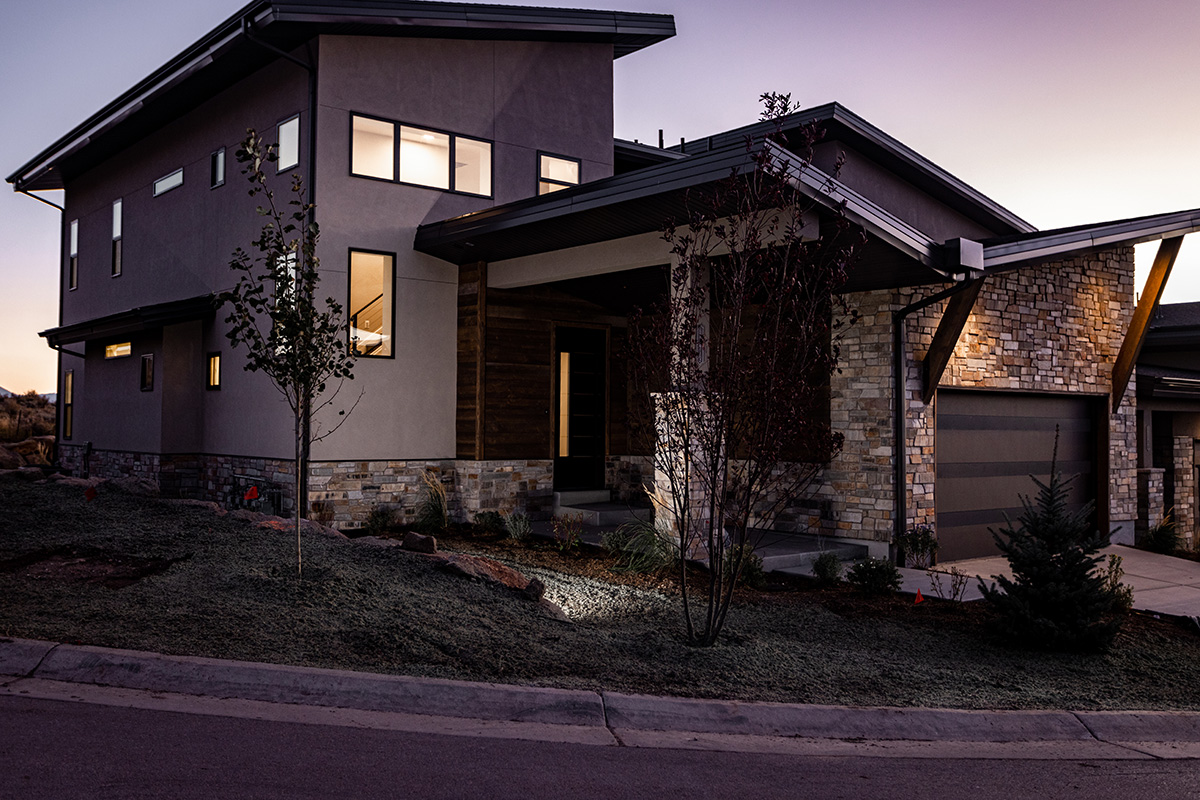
116, 239
289, 144
284, 292
564, 405
555, 172
213, 377
147, 373
373, 148
73, 259
424, 157
371, 306
119, 350
168, 182
472, 166
216, 168
68, 403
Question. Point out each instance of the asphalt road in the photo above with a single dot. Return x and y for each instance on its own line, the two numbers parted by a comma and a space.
63, 749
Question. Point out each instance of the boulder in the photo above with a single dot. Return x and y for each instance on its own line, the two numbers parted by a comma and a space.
140, 487
484, 569
420, 543
534, 590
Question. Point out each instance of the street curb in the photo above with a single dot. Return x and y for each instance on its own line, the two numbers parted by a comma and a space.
20, 657
641, 712
1142, 726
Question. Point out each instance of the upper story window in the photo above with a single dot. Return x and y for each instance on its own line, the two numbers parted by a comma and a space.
73, 257
168, 182
289, 144
147, 373
212, 376
216, 169
119, 350
556, 172
116, 238
394, 151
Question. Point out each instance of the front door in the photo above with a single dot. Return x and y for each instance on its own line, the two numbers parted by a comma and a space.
581, 363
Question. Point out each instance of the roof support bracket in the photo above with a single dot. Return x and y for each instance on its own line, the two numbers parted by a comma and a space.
941, 348
1131, 347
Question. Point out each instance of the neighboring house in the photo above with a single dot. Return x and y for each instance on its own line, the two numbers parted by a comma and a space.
489, 238
1168, 403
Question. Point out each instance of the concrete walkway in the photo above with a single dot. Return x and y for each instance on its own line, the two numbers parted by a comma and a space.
105, 676
1162, 584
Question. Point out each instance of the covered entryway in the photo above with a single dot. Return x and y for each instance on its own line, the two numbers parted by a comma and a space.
989, 443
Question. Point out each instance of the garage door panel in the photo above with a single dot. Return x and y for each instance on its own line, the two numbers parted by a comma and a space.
966, 445
962, 494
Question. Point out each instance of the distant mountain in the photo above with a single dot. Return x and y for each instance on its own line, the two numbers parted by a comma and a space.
51, 396
5, 392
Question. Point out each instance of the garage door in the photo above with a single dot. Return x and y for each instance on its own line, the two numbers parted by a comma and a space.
988, 444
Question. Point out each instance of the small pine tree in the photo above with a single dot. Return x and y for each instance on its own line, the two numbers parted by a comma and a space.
1057, 598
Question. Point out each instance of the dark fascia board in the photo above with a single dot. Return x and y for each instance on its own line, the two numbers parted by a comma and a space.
290, 23
1009, 252
135, 319
843, 125
452, 239
645, 154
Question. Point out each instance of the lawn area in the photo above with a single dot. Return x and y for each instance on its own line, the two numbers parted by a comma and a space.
219, 587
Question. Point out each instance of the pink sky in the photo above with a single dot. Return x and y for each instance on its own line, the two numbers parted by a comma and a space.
1068, 112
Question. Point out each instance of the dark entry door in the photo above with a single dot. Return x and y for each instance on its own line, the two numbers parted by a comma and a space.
988, 444
581, 362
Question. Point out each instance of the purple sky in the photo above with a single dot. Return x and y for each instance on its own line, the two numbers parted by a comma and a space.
1067, 112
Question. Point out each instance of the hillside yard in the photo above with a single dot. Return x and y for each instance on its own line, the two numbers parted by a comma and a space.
127, 571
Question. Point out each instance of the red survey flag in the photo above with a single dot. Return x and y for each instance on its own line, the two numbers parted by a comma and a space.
90, 493
252, 493
919, 598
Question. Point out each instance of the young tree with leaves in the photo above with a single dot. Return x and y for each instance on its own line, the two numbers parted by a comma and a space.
737, 358
274, 315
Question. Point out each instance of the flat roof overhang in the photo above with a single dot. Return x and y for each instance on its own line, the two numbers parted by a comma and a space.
134, 320
647, 200
226, 55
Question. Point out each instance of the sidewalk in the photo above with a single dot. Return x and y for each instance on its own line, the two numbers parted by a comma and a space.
108, 676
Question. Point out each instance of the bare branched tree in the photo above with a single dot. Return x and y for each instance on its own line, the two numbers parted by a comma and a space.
738, 358
274, 315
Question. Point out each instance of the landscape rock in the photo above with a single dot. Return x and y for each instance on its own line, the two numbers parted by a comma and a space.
534, 590
420, 543
205, 504
83, 483
484, 569
139, 487
553, 610
9, 460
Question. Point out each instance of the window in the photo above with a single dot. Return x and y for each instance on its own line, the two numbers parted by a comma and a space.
372, 310
147, 373
119, 350
289, 144
212, 378
73, 258
68, 404
372, 148
168, 182
216, 169
556, 172
283, 294
393, 151
116, 239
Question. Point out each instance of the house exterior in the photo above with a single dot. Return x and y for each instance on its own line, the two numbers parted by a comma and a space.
490, 238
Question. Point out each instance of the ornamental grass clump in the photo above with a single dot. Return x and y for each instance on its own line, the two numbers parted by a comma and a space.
433, 515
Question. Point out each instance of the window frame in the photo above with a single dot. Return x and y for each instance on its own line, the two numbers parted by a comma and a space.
128, 346
350, 251
209, 384
578, 162
73, 255
68, 420
397, 125
146, 374
118, 229
279, 165
160, 192
215, 158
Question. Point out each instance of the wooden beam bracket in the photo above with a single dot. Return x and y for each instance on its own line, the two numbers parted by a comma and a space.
1131, 347
950, 327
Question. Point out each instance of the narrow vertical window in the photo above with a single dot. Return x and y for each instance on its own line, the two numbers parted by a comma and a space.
116, 238
564, 405
556, 172
147, 373
68, 404
372, 148
213, 377
372, 310
216, 168
289, 144
73, 257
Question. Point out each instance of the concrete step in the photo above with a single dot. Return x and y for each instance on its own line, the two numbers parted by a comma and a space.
604, 514
582, 496
799, 562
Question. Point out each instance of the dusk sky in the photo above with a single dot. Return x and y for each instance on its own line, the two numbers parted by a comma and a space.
1067, 112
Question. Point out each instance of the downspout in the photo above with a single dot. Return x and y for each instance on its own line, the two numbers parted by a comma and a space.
900, 403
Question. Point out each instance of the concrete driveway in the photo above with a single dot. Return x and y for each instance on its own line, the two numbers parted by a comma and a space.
1160, 583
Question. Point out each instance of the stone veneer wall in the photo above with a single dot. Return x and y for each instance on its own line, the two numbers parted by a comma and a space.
1185, 490
627, 476
1051, 328
1150, 511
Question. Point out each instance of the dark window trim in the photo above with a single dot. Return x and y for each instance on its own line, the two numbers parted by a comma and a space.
396, 125
115, 262
279, 165
147, 374
208, 384
350, 251
214, 181
73, 256
538, 172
